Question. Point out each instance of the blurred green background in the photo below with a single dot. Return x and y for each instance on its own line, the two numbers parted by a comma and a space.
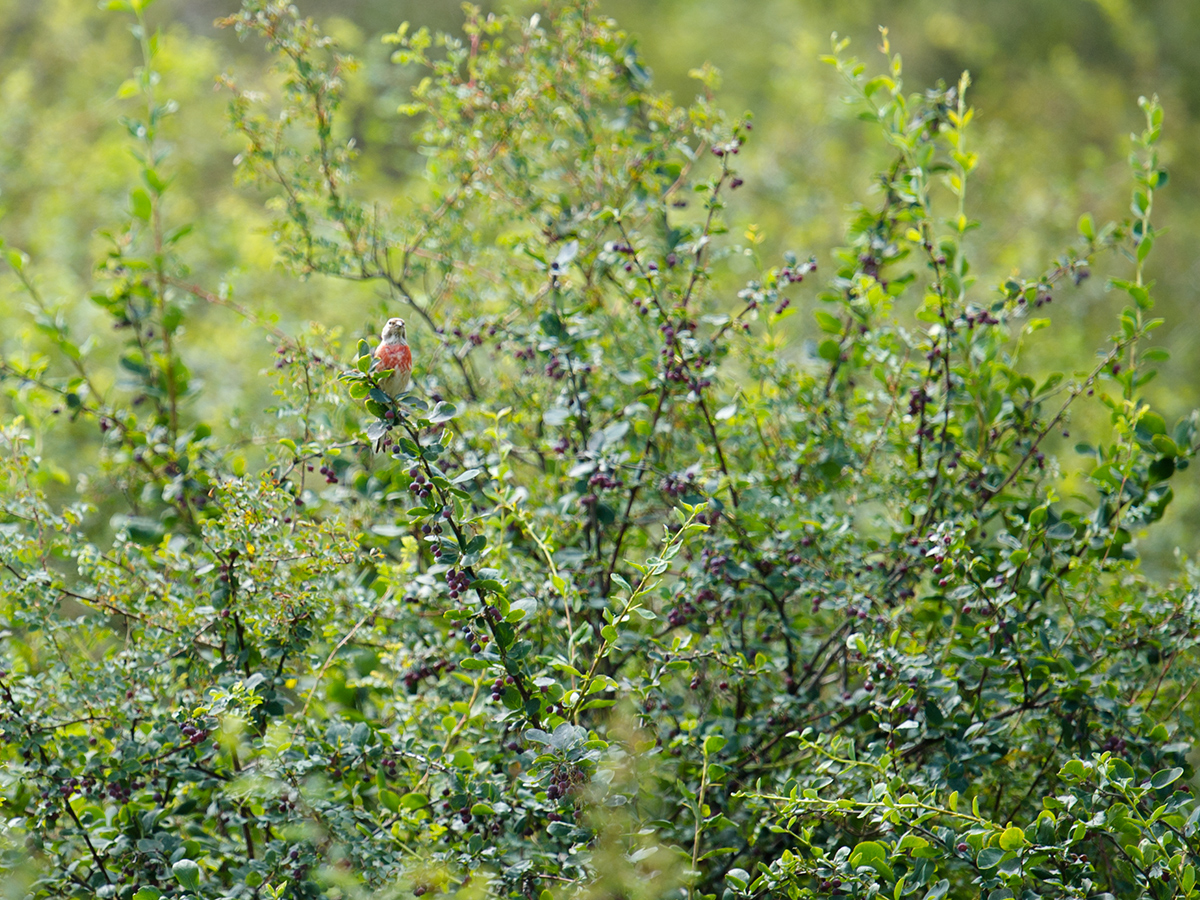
1055, 86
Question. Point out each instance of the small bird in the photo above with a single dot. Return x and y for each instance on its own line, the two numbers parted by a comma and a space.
393, 355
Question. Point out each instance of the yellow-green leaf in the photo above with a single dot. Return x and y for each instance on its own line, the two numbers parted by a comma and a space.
1013, 838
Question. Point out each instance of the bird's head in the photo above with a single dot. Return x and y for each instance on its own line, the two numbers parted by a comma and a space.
393, 331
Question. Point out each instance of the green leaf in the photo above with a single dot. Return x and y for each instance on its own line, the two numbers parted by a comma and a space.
828, 322
739, 878
390, 800
413, 800
521, 609
873, 854
1144, 247
1012, 838
552, 325
1151, 423
713, 744
443, 412
142, 530
187, 873
1074, 770
140, 204
990, 857
1165, 777
1061, 531
1087, 227
175, 235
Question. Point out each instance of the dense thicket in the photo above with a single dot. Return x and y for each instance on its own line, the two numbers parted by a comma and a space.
632, 595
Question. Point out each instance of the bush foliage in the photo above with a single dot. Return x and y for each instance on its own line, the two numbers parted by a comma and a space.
642, 591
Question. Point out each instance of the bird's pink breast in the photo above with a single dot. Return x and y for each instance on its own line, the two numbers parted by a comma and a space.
395, 356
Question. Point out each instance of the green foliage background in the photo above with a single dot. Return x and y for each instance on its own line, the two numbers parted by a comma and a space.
283, 675
1053, 83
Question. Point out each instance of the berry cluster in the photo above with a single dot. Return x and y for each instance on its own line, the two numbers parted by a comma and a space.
475, 641
983, 317
605, 481
330, 475
564, 780
474, 337
676, 484
1114, 745
713, 561
414, 677
499, 684
458, 581
419, 486
194, 735
918, 399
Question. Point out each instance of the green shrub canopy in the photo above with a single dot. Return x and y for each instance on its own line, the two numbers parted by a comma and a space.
641, 590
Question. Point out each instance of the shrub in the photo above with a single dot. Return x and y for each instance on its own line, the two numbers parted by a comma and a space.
641, 591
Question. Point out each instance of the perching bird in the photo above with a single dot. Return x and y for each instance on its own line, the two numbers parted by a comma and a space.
394, 354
